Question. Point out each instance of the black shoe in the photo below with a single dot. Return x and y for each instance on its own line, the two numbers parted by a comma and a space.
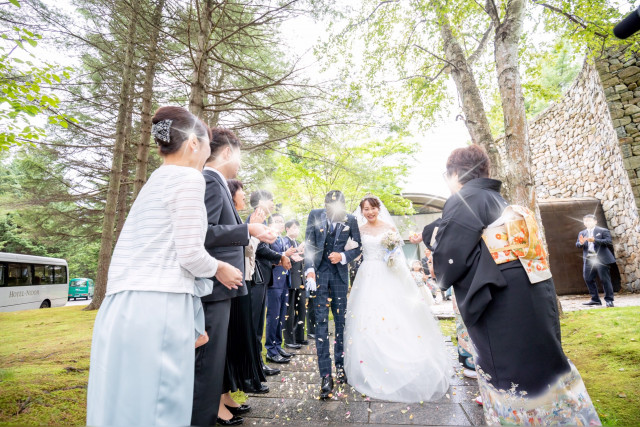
277, 359
284, 353
326, 388
242, 409
269, 371
609, 303
293, 346
312, 336
234, 421
341, 377
304, 342
592, 303
250, 388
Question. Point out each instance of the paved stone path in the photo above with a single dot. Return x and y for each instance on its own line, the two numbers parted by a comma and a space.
293, 400
444, 309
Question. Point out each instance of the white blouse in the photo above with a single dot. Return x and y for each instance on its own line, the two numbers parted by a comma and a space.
161, 246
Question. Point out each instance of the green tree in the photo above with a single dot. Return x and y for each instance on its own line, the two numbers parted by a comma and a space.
25, 86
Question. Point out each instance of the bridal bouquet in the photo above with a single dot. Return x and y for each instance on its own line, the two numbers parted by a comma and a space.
392, 243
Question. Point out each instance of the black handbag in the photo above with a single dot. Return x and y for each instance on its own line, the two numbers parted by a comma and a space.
257, 277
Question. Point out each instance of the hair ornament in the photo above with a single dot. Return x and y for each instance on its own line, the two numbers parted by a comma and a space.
161, 130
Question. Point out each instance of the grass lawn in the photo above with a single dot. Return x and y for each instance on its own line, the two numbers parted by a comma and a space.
44, 361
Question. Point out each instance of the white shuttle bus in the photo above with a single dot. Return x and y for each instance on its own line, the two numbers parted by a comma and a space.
32, 282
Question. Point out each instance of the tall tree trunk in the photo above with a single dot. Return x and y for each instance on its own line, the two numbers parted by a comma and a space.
123, 195
200, 65
108, 224
142, 157
518, 177
215, 116
472, 105
519, 185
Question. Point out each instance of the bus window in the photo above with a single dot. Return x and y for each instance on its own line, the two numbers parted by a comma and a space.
19, 275
48, 271
39, 277
2, 271
60, 274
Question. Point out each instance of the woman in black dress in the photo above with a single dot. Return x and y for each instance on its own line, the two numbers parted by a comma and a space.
493, 256
243, 370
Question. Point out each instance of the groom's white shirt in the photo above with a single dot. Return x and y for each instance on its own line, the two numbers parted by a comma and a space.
343, 261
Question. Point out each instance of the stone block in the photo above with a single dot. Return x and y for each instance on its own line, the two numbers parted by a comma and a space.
613, 97
617, 114
609, 91
625, 140
635, 149
626, 150
615, 67
631, 129
621, 88
632, 163
624, 121
631, 110
632, 86
629, 80
626, 96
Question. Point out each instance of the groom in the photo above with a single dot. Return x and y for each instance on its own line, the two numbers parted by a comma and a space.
326, 260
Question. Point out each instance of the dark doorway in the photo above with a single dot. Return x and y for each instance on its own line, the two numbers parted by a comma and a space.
562, 220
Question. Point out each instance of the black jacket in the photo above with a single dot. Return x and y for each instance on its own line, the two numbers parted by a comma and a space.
226, 235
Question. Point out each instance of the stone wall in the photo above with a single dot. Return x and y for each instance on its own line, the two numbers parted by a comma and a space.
620, 76
576, 154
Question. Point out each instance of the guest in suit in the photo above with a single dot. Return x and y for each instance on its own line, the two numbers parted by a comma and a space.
225, 240
278, 295
326, 259
595, 243
296, 313
266, 259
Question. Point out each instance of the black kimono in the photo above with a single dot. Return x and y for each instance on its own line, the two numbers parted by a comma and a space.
512, 323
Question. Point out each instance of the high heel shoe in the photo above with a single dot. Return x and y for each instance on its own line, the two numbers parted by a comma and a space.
238, 410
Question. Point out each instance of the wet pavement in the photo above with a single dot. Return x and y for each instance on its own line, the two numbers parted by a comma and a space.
293, 400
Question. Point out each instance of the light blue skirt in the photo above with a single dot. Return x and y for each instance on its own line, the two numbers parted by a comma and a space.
142, 360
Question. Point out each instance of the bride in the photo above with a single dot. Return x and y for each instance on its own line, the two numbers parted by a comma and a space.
394, 349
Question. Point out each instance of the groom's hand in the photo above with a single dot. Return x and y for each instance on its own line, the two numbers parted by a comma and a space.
335, 257
415, 238
311, 275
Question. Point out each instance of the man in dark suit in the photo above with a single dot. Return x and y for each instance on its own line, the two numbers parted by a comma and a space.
278, 295
266, 259
293, 330
326, 259
225, 240
596, 245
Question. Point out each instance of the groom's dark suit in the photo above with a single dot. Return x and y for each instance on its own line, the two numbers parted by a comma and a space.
225, 240
322, 239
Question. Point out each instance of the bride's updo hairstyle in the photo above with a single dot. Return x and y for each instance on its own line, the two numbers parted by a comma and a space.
469, 163
374, 202
172, 126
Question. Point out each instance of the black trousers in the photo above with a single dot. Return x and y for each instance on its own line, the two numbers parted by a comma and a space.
311, 316
210, 362
258, 311
592, 268
296, 314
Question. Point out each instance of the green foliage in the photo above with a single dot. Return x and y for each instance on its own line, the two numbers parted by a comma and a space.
301, 175
39, 215
23, 89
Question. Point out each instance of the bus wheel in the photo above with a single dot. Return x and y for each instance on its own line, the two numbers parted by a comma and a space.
45, 304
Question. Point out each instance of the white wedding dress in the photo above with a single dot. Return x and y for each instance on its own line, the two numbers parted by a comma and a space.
394, 349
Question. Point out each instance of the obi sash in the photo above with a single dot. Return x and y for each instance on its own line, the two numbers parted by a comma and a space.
516, 236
